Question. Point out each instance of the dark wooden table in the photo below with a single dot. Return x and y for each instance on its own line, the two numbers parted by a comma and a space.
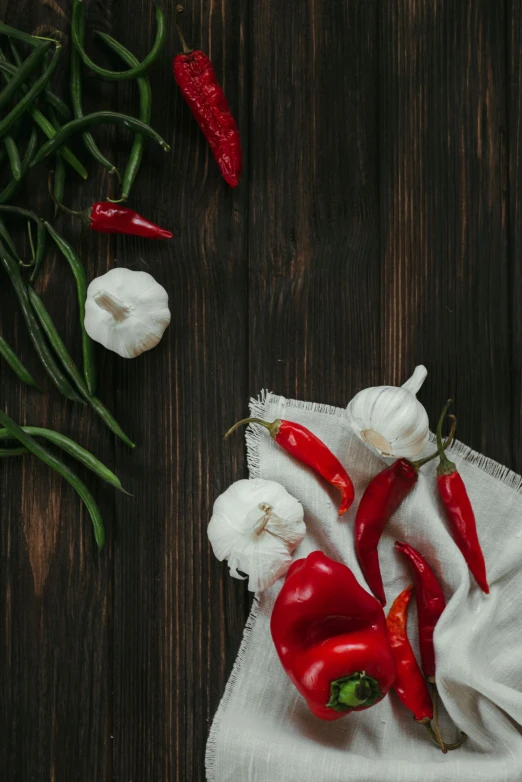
377, 225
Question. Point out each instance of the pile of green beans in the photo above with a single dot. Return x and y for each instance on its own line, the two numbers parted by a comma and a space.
30, 107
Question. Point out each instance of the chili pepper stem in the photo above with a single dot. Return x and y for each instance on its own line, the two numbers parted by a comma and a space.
445, 467
418, 464
436, 729
273, 427
186, 48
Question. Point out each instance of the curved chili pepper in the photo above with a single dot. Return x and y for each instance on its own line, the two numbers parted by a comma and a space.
382, 497
110, 218
330, 635
459, 512
308, 449
430, 604
197, 81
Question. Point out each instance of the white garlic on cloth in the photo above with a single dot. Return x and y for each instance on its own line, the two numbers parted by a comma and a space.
391, 419
255, 525
126, 311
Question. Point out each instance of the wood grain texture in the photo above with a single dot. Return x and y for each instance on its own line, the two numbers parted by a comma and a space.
376, 226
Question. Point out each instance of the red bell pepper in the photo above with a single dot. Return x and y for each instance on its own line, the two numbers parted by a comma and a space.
331, 638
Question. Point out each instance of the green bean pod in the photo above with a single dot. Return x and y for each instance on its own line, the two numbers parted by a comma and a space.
43, 123
71, 368
136, 153
7, 238
31, 93
60, 174
78, 16
32, 40
62, 469
9, 190
35, 332
73, 449
13, 157
80, 277
98, 118
23, 72
7, 352
6, 452
41, 234
76, 99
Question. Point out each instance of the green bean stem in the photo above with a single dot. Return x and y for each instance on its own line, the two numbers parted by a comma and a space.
44, 353
32, 40
76, 99
161, 35
80, 277
62, 469
71, 368
98, 118
7, 352
7, 238
73, 449
13, 156
136, 153
31, 94
41, 234
9, 190
23, 72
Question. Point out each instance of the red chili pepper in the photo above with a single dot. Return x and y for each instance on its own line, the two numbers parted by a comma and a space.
197, 81
459, 512
410, 684
382, 497
430, 604
331, 638
308, 449
110, 218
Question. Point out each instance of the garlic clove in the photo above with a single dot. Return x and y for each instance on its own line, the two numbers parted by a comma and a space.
391, 420
126, 311
255, 525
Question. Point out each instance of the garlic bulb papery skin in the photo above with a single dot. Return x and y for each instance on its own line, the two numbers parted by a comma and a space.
126, 311
255, 525
390, 419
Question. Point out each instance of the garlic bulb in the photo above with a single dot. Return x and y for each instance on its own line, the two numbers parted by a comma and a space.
126, 311
255, 525
391, 419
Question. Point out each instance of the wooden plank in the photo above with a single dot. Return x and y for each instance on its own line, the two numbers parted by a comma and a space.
445, 266
178, 616
514, 136
314, 207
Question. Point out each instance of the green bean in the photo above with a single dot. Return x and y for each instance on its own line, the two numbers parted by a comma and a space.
6, 236
2, 153
62, 469
13, 156
78, 16
41, 235
98, 118
80, 277
136, 153
35, 332
5, 452
9, 190
52, 99
32, 40
43, 123
31, 94
71, 368
73, 449
16, 365
76, 98
58, 184
23, 72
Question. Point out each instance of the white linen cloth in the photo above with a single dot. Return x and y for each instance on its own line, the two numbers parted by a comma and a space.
263, 730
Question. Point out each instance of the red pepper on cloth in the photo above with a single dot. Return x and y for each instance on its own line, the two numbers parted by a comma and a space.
331, 638
459, 512
308, 449
430, 604
197, 81
382, 497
